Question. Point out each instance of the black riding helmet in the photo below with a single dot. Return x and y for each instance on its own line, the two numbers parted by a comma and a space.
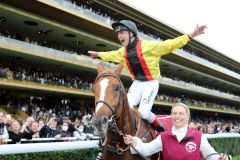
125, 25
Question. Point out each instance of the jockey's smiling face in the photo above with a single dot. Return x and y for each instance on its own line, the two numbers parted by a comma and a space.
123, 36
179, 116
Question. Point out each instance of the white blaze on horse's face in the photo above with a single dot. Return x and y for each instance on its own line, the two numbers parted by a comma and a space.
103, 87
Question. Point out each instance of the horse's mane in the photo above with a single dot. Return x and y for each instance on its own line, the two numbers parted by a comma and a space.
134, 115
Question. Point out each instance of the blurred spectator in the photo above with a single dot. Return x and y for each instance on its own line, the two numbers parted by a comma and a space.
50, 130
88, 126
75, 133
27, 123
3, 129
65, 129
15, 133
34, 129
70, 129
83, 136
192, 125
41, 123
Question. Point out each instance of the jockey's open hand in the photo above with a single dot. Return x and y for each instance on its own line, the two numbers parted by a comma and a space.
198, 31
93, 54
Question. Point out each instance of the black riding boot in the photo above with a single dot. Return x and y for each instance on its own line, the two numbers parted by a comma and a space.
157, 125
159, 128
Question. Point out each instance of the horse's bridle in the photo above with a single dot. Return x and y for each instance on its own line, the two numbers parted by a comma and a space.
112, 120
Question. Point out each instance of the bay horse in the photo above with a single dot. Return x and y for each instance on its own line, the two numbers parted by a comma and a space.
114, 117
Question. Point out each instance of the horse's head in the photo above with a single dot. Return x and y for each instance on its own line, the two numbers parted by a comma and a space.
107, 91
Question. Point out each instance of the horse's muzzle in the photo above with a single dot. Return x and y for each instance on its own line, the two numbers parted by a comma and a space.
100, 125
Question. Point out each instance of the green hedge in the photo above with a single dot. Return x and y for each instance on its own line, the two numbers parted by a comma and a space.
226, 145
86, 154
236, 158
223, 145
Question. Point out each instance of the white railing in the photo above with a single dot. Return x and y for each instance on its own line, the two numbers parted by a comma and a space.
53, 139
46, 147
75, 145
223, 135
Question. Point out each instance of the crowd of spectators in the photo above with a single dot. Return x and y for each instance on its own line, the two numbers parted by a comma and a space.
211, 126
47, 124
41, 76
191, 82
20, 72
198, 103
23, 73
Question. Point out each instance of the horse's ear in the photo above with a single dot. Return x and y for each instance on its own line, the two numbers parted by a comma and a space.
100, 67
119, 68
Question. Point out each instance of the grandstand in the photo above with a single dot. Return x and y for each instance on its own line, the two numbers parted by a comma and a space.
43, 55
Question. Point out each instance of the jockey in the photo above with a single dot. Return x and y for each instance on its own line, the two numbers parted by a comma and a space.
142, 58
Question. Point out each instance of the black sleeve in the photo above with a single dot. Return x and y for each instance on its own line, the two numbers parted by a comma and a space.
71, 128
26, 135
14, 137
17, 137
57, 131
64, 134
43, 131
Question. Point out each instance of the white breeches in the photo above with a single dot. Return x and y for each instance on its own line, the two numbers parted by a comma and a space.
143, 94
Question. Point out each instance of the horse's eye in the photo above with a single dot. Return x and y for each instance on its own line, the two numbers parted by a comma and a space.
117, 88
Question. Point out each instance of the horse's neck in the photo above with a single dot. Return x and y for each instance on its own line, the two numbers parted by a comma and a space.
124, 124
127, 118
